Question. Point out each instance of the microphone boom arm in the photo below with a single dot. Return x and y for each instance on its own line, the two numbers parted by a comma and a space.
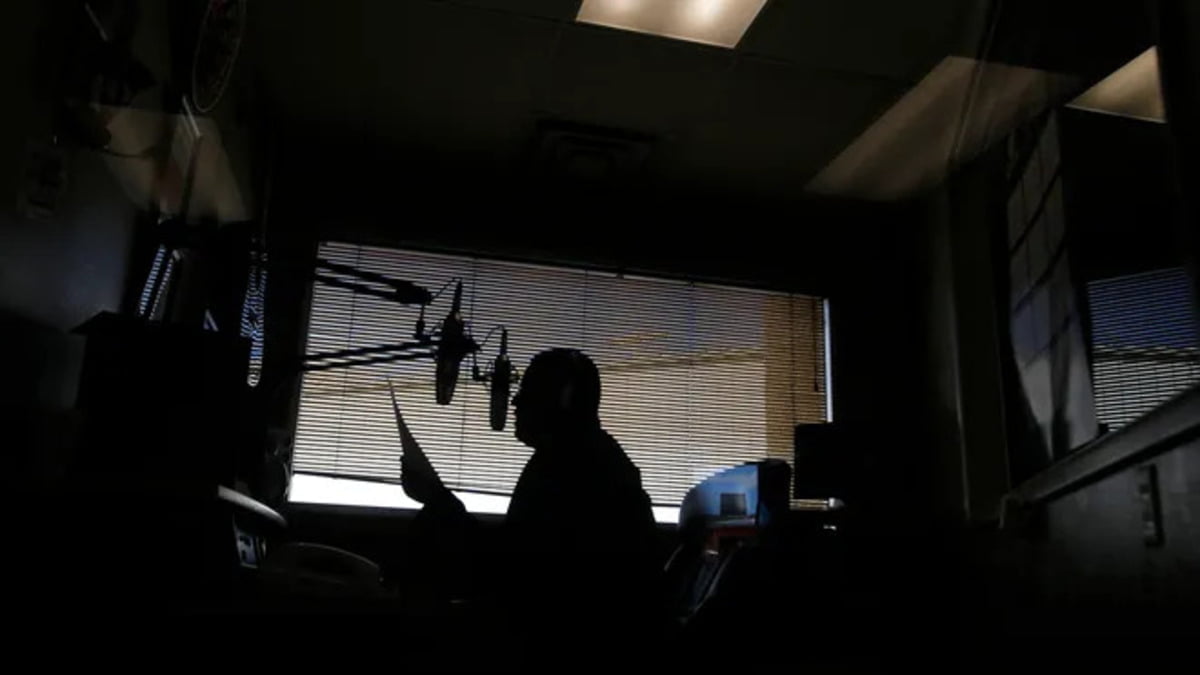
446, 346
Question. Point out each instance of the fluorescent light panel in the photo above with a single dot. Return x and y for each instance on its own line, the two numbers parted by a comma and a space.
713, 22
1132, 91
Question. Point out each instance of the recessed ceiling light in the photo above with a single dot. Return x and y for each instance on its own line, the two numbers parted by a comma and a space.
1131, 91
714, 22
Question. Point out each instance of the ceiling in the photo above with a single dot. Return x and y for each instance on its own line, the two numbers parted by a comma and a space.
471, 80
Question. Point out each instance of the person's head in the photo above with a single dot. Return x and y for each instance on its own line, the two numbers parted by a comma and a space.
559, 395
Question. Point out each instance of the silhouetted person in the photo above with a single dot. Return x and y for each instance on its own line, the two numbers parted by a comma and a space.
579, 536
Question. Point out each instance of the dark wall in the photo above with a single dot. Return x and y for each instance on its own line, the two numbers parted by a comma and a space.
1074, 557
1096, 564
1122, 206
938, 357
1121, 195
1079, 563
54, 272
959, 393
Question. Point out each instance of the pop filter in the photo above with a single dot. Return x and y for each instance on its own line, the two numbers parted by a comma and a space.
453, 346
502, 375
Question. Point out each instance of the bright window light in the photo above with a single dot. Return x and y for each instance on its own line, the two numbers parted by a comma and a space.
666, 515
309, 489
714, 22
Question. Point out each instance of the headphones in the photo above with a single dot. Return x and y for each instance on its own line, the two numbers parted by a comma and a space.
566, 398
577, 365
566, 395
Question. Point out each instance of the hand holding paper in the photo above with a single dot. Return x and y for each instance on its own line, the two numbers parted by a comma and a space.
417, 475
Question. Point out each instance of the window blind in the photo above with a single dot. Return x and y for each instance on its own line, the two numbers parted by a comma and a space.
695, 377
1144, 342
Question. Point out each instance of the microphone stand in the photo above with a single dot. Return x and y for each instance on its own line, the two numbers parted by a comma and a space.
422, 346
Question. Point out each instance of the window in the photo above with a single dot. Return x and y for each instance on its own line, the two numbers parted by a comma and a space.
1046, 327
152, 301
1144, 343
696, 377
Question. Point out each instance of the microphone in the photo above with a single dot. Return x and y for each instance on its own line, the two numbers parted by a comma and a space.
451, 350
502, 372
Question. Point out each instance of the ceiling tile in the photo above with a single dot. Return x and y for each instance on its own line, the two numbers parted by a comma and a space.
459, 79
311, 58
631, 81
773, 126
897, 39
447, 73
961, 108
560, 10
